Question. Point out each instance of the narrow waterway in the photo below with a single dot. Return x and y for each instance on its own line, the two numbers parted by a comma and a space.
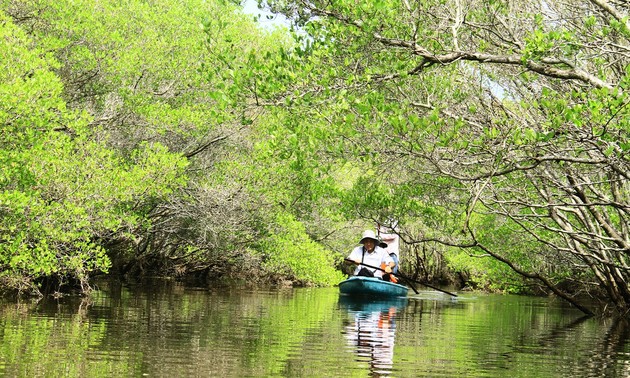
166, 329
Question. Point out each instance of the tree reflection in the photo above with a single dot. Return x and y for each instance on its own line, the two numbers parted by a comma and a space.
371, 331
611, 358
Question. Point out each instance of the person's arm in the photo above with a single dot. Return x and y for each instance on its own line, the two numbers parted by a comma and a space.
389, 263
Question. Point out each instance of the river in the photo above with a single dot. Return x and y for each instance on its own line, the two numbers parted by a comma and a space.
168, 329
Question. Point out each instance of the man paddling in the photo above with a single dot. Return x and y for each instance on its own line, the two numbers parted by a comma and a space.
371, 254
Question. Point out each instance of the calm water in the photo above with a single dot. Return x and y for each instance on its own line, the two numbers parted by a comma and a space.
169, 330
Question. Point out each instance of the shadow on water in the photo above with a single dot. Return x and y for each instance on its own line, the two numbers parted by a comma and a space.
371, 330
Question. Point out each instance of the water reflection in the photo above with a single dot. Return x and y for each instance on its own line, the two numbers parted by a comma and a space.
611, 357
167, 330
371, 331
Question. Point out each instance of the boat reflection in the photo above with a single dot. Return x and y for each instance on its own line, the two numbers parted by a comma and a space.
371, 330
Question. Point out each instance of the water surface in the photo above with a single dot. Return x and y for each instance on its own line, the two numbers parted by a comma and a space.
166, 329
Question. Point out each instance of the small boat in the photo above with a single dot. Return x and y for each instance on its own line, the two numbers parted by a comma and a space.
362, 286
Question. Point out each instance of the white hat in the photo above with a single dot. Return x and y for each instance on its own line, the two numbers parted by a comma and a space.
381, 243
369, 234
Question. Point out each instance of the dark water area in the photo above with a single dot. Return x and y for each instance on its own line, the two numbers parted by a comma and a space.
166, 329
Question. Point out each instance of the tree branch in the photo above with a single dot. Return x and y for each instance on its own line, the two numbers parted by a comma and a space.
605, 5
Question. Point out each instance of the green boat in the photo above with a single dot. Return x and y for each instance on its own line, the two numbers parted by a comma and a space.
361, 286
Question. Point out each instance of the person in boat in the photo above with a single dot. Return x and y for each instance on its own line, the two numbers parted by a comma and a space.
390, 241
369, 253
382, 244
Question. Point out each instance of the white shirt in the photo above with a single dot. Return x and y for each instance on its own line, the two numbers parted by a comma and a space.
375, 258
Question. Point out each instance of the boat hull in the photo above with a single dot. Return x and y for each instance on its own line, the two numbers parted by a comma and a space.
360, 286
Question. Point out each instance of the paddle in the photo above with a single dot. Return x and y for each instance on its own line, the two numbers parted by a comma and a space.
409, 280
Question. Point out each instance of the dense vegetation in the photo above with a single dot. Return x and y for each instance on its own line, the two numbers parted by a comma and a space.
498, 128
172, 139
126, 144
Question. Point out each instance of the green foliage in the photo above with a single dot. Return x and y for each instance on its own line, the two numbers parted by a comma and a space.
293, 132
462, 151
485, 273
63, 192
141, 69
542, 43
291, 252
177, 75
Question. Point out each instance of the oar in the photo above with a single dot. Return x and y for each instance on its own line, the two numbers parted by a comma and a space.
406, 279
408, 282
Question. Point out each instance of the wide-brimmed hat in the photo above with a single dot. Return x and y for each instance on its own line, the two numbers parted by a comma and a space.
381, 243
369, 234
